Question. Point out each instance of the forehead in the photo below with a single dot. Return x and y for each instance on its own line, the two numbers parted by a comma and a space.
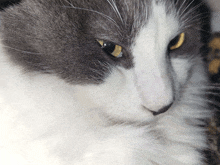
120, 21
161, 25
155, 35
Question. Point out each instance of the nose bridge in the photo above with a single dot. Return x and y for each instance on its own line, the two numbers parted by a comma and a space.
154, 81
152, 67
154, 84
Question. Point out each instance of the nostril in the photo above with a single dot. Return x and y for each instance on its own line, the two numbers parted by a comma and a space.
162, 110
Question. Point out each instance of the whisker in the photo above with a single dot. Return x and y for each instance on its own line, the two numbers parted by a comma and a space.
200, 29
206, 93
180, 8
191, 10
215, 84
183, 12
21, 50
208, 87
94, 11
169, 8
211, 102
194, 19
114, 7
203, 109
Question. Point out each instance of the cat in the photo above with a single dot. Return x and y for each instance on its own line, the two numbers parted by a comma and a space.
104, 82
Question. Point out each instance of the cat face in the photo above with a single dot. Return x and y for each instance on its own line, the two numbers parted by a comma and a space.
130, 59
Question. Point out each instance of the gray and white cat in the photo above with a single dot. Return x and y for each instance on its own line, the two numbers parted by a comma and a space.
103, 82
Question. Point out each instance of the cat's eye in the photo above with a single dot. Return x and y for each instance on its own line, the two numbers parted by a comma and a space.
177, 41
111, 48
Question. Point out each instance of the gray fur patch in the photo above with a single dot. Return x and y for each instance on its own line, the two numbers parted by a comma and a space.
59, 36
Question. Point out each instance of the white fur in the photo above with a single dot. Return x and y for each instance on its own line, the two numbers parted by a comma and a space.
150, 59
46, 121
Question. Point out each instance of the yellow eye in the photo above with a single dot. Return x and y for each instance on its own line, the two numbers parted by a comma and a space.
110, 48
177, 42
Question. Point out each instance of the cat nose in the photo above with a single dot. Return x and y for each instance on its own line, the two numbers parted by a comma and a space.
162, 110
158, 95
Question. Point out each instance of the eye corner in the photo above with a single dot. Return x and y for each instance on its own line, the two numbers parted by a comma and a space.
101, 42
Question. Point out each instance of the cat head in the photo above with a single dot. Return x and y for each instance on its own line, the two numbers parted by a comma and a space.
134, 57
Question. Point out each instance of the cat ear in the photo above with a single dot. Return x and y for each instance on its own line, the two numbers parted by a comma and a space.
6, 3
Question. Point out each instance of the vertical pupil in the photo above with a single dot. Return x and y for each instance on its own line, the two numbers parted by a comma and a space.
109, 47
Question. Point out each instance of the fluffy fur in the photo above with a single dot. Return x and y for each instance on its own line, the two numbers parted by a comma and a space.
64, 101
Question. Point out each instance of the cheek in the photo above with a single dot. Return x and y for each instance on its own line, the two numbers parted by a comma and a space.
181, 69
117, 97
